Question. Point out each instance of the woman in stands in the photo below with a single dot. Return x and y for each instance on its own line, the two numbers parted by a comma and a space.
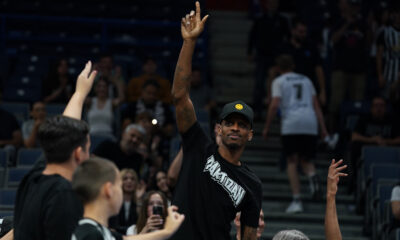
132, 194
57, 86
152, 214
160, 183
100, 113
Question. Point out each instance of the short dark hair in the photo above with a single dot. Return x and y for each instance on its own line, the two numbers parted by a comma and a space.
151, 82
60, 135
285, 62
90, 176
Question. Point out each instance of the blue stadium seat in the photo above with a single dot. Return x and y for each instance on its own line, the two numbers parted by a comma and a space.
28, 157
6, 213
15, 175
3, 158
398, 234
384, 195
7, 198
373, 154
19, 110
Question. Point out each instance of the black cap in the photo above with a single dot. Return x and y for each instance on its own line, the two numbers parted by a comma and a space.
237, 107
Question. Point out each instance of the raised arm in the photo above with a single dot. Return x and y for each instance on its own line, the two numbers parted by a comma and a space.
191, 27
83, 85
332, 229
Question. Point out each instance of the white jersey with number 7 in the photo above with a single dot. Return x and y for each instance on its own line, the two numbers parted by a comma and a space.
296, 92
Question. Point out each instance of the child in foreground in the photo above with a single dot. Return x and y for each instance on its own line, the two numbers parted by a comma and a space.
98, 184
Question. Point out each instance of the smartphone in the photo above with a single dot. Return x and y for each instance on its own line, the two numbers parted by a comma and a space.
158, 210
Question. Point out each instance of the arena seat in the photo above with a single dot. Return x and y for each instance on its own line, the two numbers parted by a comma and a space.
28, 157
14, 176
7, 198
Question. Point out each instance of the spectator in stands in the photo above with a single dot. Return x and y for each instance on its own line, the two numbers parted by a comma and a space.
152, 214
160, 183
30, 128
349, 40
201, 94
10, 134
98, 184
378, 128
301, 115
100, 114
260, 228
387, 58
306, 57
266, 33
395, 202
150, 102
46, 207
149, 73
113, 75
124, 153
57, 86
132, 197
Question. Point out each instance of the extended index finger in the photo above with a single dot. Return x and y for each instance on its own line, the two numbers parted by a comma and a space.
198, 11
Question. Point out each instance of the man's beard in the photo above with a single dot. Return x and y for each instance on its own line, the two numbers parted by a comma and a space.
231, 146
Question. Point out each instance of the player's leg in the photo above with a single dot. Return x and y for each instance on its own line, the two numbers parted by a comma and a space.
289, 147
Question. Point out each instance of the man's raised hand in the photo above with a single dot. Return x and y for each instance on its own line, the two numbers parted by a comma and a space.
85, 80
192, 25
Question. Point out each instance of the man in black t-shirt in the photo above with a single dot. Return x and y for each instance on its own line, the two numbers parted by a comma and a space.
377, 128
213, 183
125, 152
45, 206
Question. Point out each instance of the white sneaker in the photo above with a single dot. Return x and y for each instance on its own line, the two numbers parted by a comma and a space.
332, 140
295, 207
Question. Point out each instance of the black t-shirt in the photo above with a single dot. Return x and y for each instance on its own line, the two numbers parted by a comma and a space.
350, 51
210, 190
306, 59
89, 229
8, 125
46, 207
112, 151
370, 127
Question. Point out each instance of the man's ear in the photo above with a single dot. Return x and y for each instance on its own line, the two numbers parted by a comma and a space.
219, 128
78, 155
250, 137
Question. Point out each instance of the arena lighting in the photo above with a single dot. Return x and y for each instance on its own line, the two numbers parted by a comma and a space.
154, 121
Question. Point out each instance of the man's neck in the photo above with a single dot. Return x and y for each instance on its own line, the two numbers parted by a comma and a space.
232, 156
96, 211
65, 170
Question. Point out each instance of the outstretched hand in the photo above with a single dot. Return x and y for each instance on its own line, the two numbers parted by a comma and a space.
333, 176
85, 80
174, 220
192, 25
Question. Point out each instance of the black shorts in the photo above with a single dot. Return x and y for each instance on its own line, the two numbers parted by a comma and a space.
304, 145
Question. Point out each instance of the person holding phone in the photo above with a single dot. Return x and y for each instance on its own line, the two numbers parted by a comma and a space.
152, 214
